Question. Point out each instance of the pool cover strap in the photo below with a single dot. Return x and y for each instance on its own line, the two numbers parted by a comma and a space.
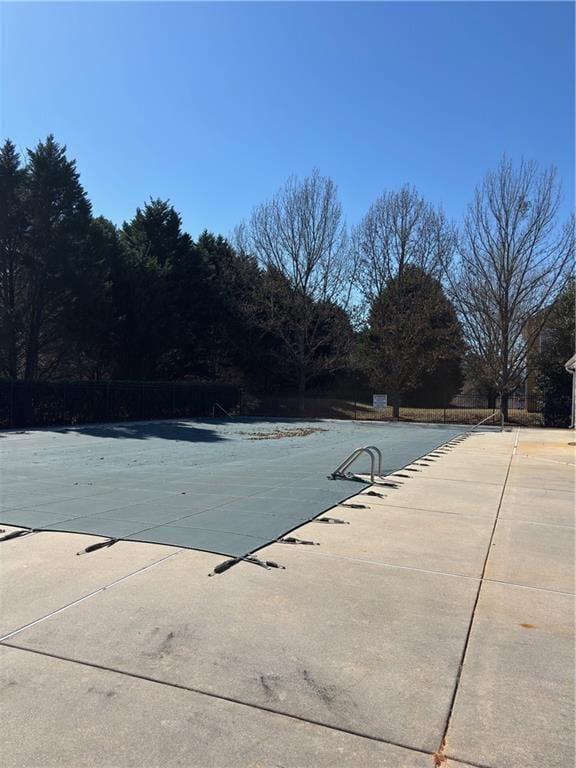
294, 540
16, 535
268, 564
99, 545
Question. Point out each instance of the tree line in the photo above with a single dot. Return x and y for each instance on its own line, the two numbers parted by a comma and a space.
406, 301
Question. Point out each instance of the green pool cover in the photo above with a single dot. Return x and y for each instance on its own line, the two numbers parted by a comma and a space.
225, 487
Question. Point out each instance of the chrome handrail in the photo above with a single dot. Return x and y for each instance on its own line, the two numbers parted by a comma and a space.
371, 450
224, 411
483, 420
378, 452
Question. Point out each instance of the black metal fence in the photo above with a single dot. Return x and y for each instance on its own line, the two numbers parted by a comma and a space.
47, 403
461, 409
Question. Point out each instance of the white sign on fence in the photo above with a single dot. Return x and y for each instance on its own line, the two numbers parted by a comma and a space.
379, 401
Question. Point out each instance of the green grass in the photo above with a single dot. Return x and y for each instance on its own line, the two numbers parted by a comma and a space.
340, 408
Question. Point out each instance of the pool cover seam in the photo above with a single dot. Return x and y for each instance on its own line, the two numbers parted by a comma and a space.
442, 744
182, 517
102, 515
222, 697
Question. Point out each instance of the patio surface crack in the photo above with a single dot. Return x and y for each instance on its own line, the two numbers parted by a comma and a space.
440, 756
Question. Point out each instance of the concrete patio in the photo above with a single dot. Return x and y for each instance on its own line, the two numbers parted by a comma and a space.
435, 628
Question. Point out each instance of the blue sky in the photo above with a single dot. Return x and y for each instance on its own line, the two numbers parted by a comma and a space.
214, 105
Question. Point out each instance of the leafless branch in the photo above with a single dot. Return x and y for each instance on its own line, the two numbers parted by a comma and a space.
299, 239
514, 259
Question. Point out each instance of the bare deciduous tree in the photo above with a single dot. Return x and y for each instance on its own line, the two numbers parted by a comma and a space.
401, 239
299, 238
514, 260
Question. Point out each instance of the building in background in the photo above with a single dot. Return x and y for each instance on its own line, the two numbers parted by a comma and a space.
571, 368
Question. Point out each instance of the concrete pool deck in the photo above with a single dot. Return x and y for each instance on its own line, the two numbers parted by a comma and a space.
434, 628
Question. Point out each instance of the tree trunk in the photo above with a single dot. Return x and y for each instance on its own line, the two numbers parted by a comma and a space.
395, 397
12, 349
504, 406
33, 323
301, 371
301, 390
31, 365
505, 373
12, 343
32, 347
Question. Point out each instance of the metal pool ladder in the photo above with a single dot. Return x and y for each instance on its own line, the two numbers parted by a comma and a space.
374, 453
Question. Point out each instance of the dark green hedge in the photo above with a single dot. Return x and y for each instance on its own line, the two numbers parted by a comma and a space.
47, 403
